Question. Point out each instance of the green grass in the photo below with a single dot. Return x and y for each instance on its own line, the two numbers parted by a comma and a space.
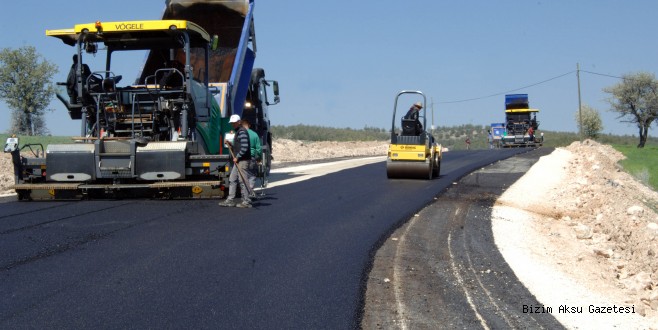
641, 163
43, 140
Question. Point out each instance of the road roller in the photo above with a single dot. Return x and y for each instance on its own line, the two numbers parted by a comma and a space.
412, 153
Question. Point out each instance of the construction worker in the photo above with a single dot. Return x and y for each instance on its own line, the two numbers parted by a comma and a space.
72, 82
531, 134
242, 167
490, 140
413, 114
256, 153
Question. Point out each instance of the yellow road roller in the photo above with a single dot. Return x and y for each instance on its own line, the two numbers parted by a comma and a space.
412, 154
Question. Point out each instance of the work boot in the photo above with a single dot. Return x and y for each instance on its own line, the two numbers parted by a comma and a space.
227, 203
244, 205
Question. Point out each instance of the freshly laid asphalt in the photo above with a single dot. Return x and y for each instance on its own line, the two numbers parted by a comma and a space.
442, 269
299, 259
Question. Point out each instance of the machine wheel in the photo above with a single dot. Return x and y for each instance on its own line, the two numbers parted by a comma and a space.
268, 158
437, 168
408, 170
265, 163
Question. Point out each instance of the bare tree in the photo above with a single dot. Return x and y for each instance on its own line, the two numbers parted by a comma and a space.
636, 100
26, 86
592, 123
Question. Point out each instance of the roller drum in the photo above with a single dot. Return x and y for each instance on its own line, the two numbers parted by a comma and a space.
408, 170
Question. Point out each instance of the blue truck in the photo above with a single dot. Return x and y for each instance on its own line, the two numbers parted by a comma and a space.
497, 131
521, 124
161, 136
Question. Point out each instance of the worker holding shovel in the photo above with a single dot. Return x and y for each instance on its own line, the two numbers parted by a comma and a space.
242, 169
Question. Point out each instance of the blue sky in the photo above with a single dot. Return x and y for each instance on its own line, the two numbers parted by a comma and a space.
340, 63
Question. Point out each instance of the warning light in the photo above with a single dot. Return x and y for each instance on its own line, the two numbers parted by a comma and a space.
99, 26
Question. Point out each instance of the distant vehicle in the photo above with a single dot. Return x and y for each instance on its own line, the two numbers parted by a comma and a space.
497, 132
521, 125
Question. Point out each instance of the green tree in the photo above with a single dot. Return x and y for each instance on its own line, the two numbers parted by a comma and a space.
636, 100
26, 86
592, 124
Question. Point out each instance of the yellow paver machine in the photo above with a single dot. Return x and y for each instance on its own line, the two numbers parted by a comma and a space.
413, 153
163, 135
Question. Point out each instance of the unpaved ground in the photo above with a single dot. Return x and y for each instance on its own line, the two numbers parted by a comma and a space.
582, 219
579, 231
295, 151
6, 174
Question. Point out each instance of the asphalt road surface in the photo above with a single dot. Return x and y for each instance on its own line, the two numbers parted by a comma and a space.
442, 270
299, 259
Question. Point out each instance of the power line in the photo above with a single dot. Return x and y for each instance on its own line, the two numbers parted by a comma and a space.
509, 91
602, 74
531, 85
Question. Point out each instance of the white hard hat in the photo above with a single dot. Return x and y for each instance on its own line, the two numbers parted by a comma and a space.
234, 119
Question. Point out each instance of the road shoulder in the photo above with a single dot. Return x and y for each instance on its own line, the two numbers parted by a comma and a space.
441, 268
557, 262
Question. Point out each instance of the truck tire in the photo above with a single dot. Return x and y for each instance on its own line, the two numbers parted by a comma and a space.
267, 157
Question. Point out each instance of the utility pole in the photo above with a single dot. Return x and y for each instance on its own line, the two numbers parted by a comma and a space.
580, 113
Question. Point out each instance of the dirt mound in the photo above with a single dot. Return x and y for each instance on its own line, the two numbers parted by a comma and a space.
615, 216
285, 150
591, 221
6, 174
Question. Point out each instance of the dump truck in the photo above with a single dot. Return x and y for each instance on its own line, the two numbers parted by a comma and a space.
412, 153
162, 136
521, 123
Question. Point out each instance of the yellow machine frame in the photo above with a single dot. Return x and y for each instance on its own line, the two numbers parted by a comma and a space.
412, 156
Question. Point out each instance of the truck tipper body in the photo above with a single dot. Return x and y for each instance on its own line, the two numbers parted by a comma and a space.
521, 123
162, 135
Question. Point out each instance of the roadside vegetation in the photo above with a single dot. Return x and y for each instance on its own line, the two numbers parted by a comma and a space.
641, 163
636, 101
321, 133
26, 87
